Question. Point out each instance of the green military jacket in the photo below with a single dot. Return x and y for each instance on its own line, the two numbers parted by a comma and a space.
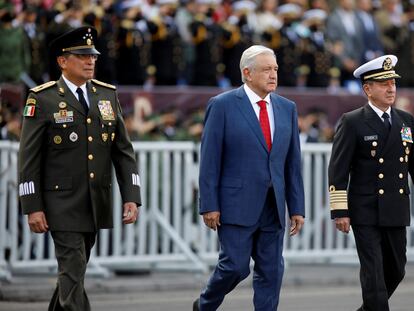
65, 157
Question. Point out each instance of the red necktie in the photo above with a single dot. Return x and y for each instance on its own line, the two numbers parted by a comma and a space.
264, 123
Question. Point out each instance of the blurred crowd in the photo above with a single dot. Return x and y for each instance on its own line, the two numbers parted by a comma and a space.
199, 42
318, 43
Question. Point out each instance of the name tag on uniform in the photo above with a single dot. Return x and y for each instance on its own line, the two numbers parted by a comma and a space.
406, 134
371, 137
63, 116
105, 109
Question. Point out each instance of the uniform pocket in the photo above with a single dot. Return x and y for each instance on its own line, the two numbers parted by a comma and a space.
61, 137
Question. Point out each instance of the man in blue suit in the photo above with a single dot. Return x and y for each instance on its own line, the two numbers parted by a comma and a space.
250, 168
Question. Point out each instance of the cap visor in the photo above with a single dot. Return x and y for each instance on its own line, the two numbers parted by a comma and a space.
91, 51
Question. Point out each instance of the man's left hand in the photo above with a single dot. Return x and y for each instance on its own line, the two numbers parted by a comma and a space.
130, 214
296, 223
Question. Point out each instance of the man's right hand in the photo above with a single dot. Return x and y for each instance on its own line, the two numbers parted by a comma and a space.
343, 224
212, 220
37, 222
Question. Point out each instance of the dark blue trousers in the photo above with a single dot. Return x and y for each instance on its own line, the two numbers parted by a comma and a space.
264, 243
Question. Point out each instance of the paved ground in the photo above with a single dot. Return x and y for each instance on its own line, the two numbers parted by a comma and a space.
311, 288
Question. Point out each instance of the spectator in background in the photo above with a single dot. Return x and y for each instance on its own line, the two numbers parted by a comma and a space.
395, 35
345, 33
371, 32
14, 49
10, 125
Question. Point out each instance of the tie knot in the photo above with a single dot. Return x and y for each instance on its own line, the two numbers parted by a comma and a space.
262, 104
385, 116
79, 91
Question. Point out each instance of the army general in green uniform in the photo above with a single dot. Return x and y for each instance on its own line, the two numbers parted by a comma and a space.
72, 133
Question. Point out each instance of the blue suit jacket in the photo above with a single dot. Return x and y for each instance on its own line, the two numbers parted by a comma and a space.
236, 169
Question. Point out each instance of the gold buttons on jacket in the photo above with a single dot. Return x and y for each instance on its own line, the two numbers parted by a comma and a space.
401, 191
381, 160
90, 138
89, 120
90, 157
401, 175
380, 175
381, 191
374, 143
404, 143
401, 159
92, 175
64, 126
56, 187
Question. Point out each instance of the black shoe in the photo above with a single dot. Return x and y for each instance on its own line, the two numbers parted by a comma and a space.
196, 305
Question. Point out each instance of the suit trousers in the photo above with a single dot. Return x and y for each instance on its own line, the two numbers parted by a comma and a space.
382, 255
264, 243
72, 250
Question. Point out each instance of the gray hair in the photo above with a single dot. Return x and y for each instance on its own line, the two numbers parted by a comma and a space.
247, 59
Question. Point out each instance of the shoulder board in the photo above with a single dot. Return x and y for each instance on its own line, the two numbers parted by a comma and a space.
110, 86
43, 86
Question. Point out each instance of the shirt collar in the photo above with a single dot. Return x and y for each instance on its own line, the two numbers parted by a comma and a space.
378, 111
72, 87
253, 97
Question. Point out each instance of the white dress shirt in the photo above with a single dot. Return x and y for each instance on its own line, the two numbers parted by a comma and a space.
254, 98
72, 87
379, 112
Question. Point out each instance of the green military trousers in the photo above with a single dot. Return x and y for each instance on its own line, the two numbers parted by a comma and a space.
72, 253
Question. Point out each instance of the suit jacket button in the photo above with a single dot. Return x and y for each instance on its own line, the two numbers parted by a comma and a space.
56, 187
92, 175
380, 175
381, 191
381, 160
90, 138
401, 159
401, 175
89, 120
401, 191
90, 157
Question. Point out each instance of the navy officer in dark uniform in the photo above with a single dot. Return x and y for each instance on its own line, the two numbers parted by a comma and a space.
72, 133
368, 176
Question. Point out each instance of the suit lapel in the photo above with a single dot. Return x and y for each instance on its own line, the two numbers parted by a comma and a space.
277, 120
247, 111
72, 101
375, 122
395, 132
92, 96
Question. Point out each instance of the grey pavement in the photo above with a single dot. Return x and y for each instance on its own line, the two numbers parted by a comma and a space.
312, 287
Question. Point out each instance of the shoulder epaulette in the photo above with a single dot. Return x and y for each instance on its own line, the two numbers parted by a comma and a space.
43, 86
110, 86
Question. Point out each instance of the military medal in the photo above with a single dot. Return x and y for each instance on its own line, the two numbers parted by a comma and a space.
407, 150
62, 105
73, 136
105, 109
406, 134
57, 139
112, 136
373, 153
104, 137
63, 116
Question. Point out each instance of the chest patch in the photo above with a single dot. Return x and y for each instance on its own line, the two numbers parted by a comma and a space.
105, 109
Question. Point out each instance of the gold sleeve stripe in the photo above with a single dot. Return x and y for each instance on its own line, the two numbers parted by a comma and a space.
339, 206
338, 199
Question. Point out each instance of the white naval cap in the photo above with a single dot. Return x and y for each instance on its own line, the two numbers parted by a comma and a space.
244, 5
314, 15
289, 10
378, 69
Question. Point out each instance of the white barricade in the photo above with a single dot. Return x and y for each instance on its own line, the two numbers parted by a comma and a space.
169, 233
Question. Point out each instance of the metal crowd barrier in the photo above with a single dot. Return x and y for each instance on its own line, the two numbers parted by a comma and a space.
169, 233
